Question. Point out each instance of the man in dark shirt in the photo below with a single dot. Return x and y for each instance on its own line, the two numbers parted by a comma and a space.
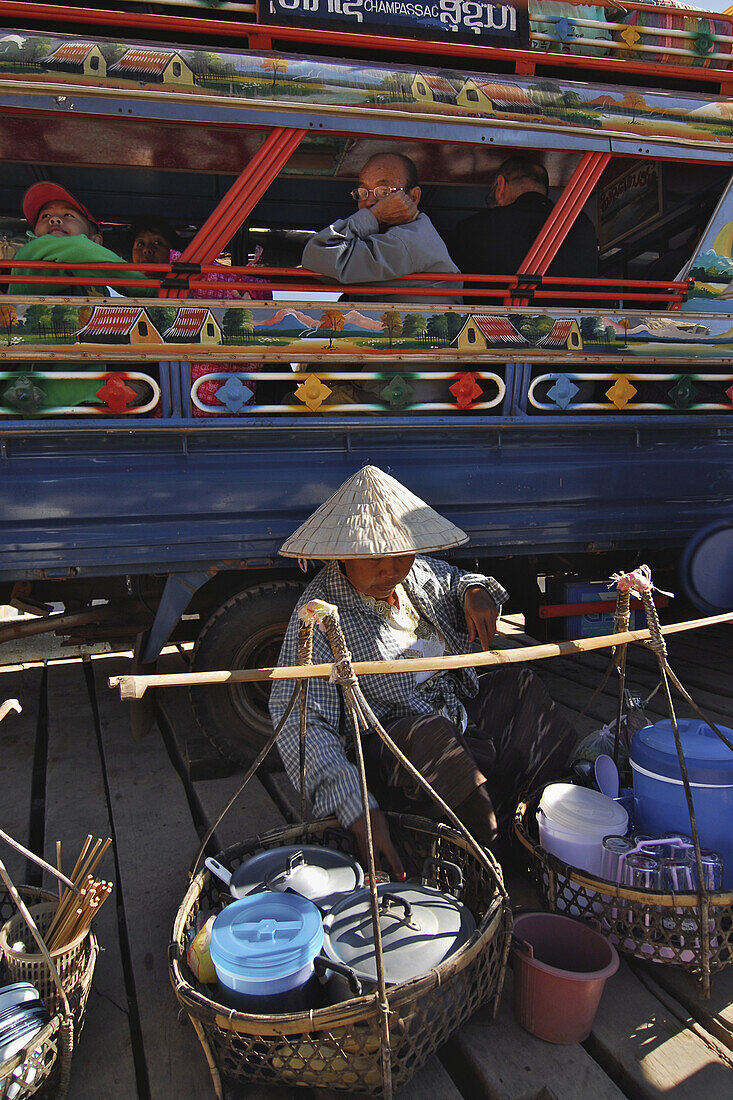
495, 241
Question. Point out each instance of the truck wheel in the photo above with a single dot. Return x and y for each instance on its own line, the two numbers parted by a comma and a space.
245, 632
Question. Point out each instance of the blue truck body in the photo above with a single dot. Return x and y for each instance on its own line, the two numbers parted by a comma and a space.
602, 449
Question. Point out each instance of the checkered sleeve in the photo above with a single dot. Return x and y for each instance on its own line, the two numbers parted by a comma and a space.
497, 592
332, 782
449, 584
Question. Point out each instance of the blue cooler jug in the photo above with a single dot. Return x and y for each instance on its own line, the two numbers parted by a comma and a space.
660, 805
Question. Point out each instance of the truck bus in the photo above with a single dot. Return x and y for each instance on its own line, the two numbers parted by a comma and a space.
159, 440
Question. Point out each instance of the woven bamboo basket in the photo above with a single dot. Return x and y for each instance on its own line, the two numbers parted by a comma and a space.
42, 1068
648, 924
339, 1046
75, 962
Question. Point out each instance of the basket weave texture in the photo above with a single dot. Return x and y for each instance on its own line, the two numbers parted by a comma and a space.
647, 924
38, 1069
44, 1067
339, 1046
74, 962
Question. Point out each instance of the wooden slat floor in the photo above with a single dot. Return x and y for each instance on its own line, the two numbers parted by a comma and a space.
68, 768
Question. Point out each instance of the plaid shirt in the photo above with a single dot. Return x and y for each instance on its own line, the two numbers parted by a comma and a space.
436, 590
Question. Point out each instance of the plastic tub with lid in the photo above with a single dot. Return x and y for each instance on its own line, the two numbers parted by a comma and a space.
573, 822
660, 805
263, 947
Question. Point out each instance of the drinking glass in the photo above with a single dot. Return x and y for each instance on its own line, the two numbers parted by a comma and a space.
641, 872
614, 848
712, 868
675, 872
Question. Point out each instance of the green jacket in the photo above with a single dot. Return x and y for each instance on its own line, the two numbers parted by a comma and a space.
79, 250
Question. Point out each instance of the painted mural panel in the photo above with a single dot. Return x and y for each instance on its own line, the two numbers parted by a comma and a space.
296, 80
711, 268
301, 330
73, 358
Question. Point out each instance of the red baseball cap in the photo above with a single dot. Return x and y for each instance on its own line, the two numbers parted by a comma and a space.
40, 194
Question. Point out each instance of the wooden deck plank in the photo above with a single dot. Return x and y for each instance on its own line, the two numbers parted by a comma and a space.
499, 1060
648, 1049
715, 1015
254, 812
76, 805
156, 840
432, 1082
18, 735
708, 698
685, 653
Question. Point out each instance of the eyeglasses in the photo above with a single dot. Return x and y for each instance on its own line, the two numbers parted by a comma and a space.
359, 194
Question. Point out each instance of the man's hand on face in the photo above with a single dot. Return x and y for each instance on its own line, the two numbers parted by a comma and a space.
385, 855
397, 209
481, 615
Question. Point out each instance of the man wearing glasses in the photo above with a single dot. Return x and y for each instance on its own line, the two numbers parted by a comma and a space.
386, 238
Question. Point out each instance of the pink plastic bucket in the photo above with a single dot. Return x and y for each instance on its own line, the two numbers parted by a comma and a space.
560, 968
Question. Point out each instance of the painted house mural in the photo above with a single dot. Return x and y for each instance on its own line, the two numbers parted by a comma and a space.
689, 116
119, 325
563, 334
428, 88
153, 66
84, 58
490, 96
588, 362
194, 325
481, 332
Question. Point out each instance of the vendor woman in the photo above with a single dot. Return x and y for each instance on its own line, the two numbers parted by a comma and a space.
478, 740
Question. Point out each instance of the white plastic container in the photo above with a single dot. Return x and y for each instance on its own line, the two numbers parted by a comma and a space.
573, 822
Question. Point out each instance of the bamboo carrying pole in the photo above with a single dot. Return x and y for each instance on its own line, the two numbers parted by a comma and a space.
134, 687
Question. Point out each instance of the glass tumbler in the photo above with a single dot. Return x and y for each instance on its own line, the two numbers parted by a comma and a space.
614, 847
712, 867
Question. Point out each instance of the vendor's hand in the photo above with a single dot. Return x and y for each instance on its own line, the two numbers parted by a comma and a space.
481, 615
397, 209
384, 851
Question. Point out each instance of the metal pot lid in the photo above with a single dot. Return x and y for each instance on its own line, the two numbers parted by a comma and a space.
322, 875
420, 928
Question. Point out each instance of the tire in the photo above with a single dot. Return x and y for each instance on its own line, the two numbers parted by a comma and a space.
245, 632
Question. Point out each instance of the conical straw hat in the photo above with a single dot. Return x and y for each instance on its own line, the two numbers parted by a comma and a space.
371, 516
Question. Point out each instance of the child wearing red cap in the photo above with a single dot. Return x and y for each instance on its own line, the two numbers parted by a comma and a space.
65, 232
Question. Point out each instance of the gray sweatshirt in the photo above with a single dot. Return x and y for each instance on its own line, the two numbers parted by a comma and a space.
353, 251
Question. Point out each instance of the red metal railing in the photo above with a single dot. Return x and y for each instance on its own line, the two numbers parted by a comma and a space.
299, 280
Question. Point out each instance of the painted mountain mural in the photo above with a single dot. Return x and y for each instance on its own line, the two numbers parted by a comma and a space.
287, 320
710, 266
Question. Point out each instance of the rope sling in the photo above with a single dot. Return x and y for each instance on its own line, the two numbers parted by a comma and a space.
362, 720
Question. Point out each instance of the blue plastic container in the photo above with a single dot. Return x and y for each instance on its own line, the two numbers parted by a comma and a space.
595, 623
263, 947
660, 805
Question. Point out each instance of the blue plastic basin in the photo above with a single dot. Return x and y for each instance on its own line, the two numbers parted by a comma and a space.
263, 947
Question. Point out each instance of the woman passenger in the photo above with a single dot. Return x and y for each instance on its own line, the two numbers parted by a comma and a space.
155, 241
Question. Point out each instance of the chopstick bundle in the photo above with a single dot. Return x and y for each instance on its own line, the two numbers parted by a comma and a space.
77, 908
